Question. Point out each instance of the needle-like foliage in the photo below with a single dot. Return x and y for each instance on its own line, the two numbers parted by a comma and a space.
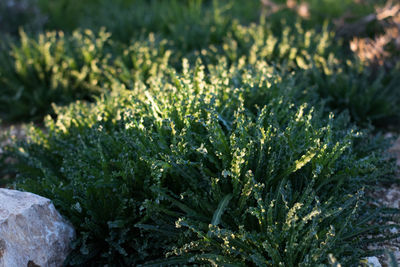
224, 168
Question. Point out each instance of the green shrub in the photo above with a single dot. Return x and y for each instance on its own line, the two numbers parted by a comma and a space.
60, 69
371, 96
226, 167
65, 15
53, 68
287, 45
319, 61
140, 61
234, 161
190, 24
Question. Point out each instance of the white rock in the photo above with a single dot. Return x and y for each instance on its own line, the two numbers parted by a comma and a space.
32, 232
373, 262
397, 255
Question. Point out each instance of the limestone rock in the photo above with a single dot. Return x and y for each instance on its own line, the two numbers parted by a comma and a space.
32, 232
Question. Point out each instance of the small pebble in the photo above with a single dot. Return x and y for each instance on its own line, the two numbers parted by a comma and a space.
373, 262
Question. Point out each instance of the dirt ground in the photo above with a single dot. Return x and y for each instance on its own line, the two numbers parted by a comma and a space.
390, 197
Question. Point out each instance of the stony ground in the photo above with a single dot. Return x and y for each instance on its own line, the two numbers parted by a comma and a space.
390, 197
7, 134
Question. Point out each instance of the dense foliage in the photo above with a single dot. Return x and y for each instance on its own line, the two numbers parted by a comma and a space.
225, 165
203, 132
56, 68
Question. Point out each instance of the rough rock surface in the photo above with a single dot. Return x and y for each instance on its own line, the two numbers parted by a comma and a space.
32, 232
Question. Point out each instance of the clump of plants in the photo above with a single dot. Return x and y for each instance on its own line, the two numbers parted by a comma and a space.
51, 68
229, 167
58, 68
190, 24
191, 134
321, 62
371, 96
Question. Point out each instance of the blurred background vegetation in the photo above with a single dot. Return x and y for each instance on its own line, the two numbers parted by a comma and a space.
58, 51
